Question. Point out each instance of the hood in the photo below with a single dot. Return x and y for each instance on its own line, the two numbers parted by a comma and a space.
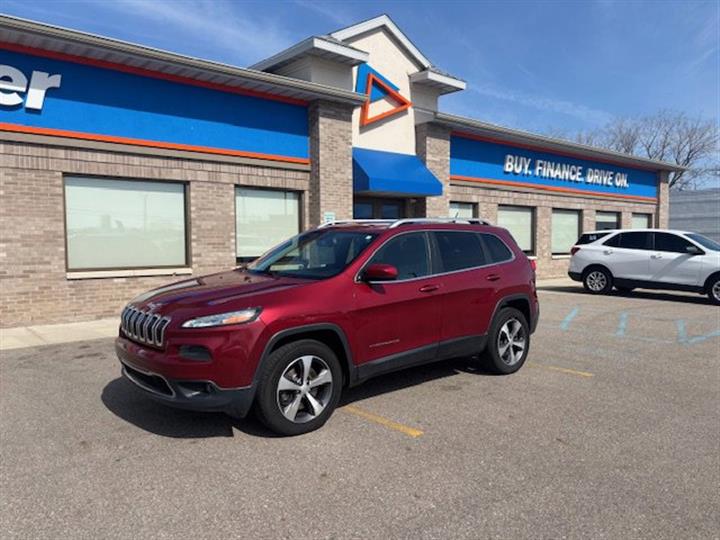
213, 290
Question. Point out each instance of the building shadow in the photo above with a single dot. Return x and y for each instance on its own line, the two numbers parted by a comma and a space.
642, 294
127, 402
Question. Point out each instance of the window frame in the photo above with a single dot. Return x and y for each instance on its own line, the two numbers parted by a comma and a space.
438, 268
186, 216
647, 215
300, 201
383, 243
579, 215
533, 226
655, 234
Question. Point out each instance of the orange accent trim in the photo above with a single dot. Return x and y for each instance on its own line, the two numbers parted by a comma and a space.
404, 103
474, 137
151, 144
148, 73
548, 188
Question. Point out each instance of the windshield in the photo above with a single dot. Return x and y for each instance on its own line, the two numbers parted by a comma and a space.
317, 254
704, 241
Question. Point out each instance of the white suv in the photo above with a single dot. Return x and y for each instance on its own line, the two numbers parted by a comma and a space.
647, 258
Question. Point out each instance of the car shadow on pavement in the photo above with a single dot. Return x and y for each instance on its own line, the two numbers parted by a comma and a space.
128, 403
639, 294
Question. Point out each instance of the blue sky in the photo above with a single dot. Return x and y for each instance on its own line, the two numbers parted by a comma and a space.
536, 65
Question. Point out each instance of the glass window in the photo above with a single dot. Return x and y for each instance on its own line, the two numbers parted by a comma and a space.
408, 253
519, 220
590, 237
607, 220
263, 219
613, 241
670, 242
705, 242
565, 230
462, 210
362, 210
641, 221
635, 240
316, 254
459, 250
115, 224
497, 250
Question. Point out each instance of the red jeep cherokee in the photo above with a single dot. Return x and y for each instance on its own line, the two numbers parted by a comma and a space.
329, 308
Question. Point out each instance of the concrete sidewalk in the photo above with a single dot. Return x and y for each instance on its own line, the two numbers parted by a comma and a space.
51, 334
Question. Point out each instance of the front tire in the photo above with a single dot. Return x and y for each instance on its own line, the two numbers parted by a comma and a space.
299, 388
508, 342
597, 281
713, 290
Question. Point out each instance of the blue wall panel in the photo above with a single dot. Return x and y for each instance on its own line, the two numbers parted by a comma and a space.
108, 102
486, 160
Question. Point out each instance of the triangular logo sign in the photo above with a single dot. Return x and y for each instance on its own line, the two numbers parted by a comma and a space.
402, 103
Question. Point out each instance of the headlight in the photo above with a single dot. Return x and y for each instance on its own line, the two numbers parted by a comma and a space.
222, 319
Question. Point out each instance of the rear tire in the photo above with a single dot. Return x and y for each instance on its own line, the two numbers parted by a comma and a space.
597, 280
299, 387
713, 290
508, 342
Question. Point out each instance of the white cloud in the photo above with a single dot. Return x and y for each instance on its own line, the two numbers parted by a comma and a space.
218, 24
581, 112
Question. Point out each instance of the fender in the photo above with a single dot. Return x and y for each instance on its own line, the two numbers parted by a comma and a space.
282, 334
505, 300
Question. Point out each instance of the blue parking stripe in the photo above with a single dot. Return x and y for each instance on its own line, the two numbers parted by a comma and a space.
681, 331
568, 319
622, 324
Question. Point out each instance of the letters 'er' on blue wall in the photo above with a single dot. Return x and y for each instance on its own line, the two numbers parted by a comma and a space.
484, 160
95, 100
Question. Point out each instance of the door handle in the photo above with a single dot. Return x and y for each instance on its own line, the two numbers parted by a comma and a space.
493, 277
656, 256
608, 252
429, 288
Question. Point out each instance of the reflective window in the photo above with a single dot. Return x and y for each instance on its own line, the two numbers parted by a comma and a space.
115, 224
607, 220
590, 237
520, 221
497, 250
408, 253
641, 221
462, 210
459, 250
565, 230
263, 219
636, 240
670, 242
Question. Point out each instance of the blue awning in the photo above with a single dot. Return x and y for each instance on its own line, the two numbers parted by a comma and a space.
388, 173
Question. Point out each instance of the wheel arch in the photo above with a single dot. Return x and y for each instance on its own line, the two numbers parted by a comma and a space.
710, 279
326, 333
521, 302
595, 266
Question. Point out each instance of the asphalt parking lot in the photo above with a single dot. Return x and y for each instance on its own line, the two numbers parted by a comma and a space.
612, 430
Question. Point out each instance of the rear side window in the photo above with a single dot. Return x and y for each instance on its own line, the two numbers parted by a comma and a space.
459, 250
631, 240
670, 242
406, 252
590, 237
497, 250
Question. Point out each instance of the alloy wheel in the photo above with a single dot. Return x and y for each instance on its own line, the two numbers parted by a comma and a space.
596, 281
304, 389
511, 342
716, 291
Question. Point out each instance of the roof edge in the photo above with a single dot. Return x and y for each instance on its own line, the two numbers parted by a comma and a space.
352, 55
513, 135
314, 90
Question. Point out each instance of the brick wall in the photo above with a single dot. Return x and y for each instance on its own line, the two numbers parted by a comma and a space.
33, 280
331, 180
432, 143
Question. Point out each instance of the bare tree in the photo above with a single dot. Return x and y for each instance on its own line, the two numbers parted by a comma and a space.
665, 136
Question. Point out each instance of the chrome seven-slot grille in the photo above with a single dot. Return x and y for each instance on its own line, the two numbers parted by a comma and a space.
143, 326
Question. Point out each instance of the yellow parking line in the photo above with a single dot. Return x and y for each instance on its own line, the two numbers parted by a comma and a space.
402, 428
562, 370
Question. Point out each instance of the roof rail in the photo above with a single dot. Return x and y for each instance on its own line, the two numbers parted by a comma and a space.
393, 223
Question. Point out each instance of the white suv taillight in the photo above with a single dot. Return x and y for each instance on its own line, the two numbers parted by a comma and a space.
574, 250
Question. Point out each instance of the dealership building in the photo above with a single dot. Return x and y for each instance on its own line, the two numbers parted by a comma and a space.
124, 167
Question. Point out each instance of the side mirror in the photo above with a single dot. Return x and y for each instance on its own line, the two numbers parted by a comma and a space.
694, 250
380, 272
